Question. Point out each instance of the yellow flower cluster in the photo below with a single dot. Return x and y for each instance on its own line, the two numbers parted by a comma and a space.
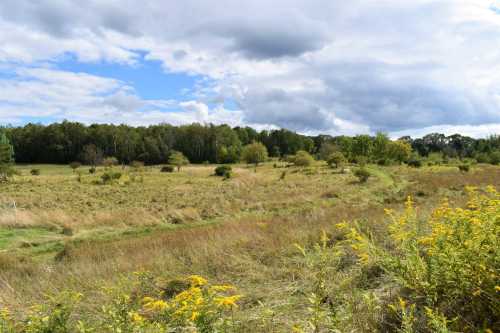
199, 304
453, 257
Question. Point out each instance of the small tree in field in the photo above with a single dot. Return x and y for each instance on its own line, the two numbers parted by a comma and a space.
336, 160
303, 158
178, 159
75, 165
6, 157
254, 153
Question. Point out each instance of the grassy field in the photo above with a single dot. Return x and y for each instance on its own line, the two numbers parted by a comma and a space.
64, 231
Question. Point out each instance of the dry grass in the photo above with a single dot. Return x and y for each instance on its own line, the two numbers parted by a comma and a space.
240, 231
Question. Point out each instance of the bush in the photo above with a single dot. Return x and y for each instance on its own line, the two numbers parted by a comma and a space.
361, 161
110, 161
137, 164
336, 159
35, 172
75, 165
495, 157
464, 167
415, 163
92, 170
445, 267
167, 168
110, 176
362, 174
482, 158
303, 158
223, 171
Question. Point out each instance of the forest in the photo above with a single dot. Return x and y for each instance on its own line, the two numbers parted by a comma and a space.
66, 142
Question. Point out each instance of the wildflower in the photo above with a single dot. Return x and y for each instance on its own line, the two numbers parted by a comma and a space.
228, 301
194, 315
197, 281
135, 317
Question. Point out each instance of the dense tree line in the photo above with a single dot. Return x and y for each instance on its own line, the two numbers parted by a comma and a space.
71, 141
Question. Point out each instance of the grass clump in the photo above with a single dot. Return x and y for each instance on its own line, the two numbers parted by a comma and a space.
110, 176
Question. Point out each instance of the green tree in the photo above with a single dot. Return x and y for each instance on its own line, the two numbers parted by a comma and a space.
178, 159
336, 159
6, 157
303, 158
254, 153
399, 151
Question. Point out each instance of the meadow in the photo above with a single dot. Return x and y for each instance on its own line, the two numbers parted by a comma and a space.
274, 233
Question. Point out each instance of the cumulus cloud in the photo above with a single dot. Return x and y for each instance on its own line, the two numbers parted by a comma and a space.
312, 66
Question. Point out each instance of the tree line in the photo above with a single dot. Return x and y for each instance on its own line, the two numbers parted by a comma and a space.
65, 142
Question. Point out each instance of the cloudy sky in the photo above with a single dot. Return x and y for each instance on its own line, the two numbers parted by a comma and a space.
329, 66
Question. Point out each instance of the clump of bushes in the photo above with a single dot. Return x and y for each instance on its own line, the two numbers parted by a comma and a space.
303, 158
362, 174
446, 268
167, 168
224, 171
336, 159
110, 176
464, 167
415, 163
35, 172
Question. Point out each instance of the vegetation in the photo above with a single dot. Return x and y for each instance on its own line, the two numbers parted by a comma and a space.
363, 174
303, 158
6, 157
178, 159
223, 171
254, 153
68, 141
290, 249
336, 160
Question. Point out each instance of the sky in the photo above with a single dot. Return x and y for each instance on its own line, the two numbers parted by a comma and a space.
330, 66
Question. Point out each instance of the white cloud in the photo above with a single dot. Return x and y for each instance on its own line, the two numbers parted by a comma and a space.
312, 66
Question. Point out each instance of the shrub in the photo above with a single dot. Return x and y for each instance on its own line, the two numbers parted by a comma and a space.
110, 176
137, 164
482, 158
464, 167
110, 161
362, 174
35, 172
92, 170
415, 163
495, 157
446, 267
336, 159
167, 168
254, 153
361, 160
178, 159
223, 171
75, 165
303, 158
